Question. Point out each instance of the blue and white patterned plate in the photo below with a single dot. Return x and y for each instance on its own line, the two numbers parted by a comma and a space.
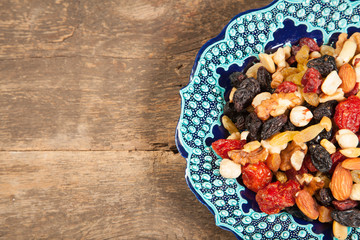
247, 34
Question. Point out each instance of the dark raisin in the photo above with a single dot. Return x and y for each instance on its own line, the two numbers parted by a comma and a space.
323, 135
320, 157
240, 121
288, 126
350, 218
229, 110
251, 85
264, 78
324, 196
345, 205
236, 78
242, 99
296, 212
325, 64
273, 126
326, 109
253, 125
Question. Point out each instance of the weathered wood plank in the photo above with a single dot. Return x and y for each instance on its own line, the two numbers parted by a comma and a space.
100, 195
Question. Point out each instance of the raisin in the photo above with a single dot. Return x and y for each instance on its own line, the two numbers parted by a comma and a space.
286, 87
345, 205
354, 91
326, 109
272, 126
325, 64
320, 157
311, 80
242, 99
277, 196
256, 176
253, 125
288, 126
296, 212
236, 78
223, 146
251, 85
347, 114
240, 122
264, 78
325, 196
350, 218
310, 42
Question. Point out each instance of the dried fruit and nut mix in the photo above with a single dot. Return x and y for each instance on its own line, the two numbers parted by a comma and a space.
294, 120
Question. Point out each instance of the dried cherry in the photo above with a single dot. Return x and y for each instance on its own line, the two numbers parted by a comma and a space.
310, 42
223, 146
276, 196
345, 205
347, 114
256, 176
286, 87
308, 164
336, 158
311, 80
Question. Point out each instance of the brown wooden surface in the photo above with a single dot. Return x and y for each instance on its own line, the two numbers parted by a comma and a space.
88, 107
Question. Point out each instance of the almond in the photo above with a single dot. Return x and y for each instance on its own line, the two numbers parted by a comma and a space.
307, 204
351, 164
341, 183
348, 77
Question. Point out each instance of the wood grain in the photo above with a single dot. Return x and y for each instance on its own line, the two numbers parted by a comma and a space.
89, 103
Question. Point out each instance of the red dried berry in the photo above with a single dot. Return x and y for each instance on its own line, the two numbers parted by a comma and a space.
347, 114
286, 87
357, 60
223, 146
310, 42
345, 205
353, 91
256, 176
311, 80
295, 49
276, 196
291, 60
336, 158
308, 164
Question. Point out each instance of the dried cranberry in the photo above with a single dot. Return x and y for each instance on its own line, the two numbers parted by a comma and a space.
347, 114
336, 158
308, 164
345, 205
291, 61
353, 91
294, 50
276, 196
223, 146
310, 42
286, 87
256, 176
311, 80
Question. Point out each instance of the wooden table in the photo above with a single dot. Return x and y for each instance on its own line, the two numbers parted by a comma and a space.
88, 108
